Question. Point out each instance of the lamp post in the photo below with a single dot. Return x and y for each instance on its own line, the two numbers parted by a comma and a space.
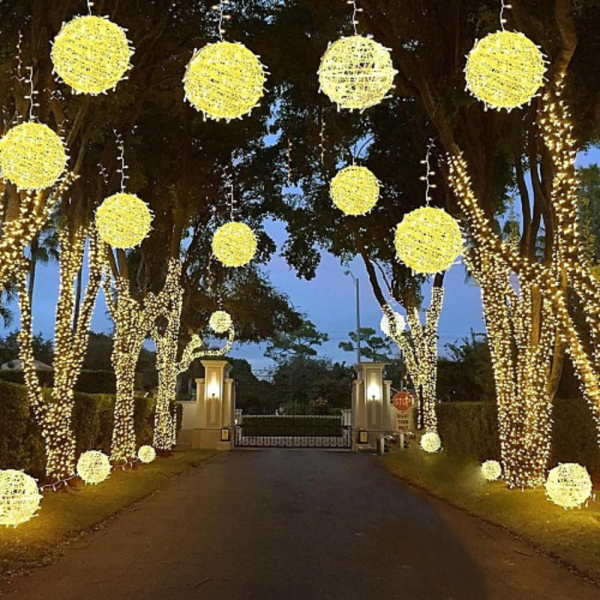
357, 285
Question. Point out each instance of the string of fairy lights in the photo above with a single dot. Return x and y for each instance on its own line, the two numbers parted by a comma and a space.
225, 80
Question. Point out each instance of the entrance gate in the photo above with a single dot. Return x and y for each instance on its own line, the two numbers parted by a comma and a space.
293, 431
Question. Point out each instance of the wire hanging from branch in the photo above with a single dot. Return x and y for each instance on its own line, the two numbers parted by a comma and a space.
355, 11
427, 178
503, 7
220, 8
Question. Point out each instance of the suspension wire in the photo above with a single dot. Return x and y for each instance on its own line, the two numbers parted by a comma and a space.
355, 11
429, 173
89, 5
124, 167
220, 8
503, 7
32, 94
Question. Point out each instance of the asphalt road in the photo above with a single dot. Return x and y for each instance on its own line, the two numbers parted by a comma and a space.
298, 525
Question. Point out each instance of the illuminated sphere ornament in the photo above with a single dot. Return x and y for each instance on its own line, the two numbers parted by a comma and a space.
234, 244
431, 442
123, 220
32, 156
93, 467
19, 497
428, 240
505, 70
385, 324
91, 54
146, 454
355, 190
356, 72
492, 470
568, 485
224, 80
220, 321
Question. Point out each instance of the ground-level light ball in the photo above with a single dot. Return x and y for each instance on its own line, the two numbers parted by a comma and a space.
431, 442
93, 467
492, 470
569, 485
146, 454
19, 497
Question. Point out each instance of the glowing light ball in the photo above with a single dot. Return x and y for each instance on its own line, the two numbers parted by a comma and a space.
428, 240
431, 442
146, 454
355, 190
93, 467
19, 497
91, 54
32, 156
492, 470
356, 72
568, 485
123, 220
505, 70
224, 80
385, 324
234, 244
220, 321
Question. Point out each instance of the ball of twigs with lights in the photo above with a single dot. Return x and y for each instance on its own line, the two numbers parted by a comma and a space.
385, 324
505, 70
19, 497
355, 190
569, 485
431, 442
356, 72
146, 454
224, 80
428, 240
91, 54
220, 321
32, 156
492, 470
234, 244
93, 467
123, 220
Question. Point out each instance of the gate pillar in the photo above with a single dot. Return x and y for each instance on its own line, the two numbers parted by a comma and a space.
215, 405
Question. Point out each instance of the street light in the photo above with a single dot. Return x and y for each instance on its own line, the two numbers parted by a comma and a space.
356, 283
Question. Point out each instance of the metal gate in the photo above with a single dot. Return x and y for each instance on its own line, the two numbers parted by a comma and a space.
292, 431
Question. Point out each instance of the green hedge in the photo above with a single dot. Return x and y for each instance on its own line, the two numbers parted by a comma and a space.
470, 430
21, 443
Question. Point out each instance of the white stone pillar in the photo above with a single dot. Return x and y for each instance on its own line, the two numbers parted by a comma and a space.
372, 402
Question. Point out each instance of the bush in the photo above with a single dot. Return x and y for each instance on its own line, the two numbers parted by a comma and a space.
97, 382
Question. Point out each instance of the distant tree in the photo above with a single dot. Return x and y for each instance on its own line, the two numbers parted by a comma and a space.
372, 347
43, 349
589, 216
300, 343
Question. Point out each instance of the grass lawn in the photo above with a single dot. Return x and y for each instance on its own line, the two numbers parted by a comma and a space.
62, 516
571, 536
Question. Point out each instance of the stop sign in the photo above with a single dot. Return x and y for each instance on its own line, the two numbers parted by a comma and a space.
403, 401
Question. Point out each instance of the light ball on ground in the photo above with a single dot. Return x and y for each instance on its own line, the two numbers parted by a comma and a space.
355, 190
569, 485
93, 467
492, 470
431, 442
356, 72
385, 324
220, 321
428, 240
224, 80
123, 220
505, 70
91, 54
32, 156
234, 244
146, 454
19, 497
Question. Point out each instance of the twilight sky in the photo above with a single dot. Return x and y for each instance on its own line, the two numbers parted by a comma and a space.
328, 300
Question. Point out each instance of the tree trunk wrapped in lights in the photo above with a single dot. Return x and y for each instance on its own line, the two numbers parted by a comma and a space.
70, 344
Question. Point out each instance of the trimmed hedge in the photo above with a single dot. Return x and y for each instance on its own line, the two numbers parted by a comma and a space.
21, 443
470, 430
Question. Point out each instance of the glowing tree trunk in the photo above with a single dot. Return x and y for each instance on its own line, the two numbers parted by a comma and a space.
70, 344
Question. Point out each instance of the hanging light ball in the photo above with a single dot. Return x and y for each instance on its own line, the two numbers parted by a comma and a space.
220, 321
32, 156
431, 442
492, 470
505, 70
385, 324
355, 190
224, 80
568, 485
146, 454
19, 497
428, 240
356, 72
93, 467
123, 220
234, 244
91, 54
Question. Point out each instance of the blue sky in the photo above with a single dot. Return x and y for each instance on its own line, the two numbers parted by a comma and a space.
328, 300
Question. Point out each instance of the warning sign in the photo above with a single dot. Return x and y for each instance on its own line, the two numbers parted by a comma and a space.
403, 401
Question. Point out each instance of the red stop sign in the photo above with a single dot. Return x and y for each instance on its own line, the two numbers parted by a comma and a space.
403, 401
